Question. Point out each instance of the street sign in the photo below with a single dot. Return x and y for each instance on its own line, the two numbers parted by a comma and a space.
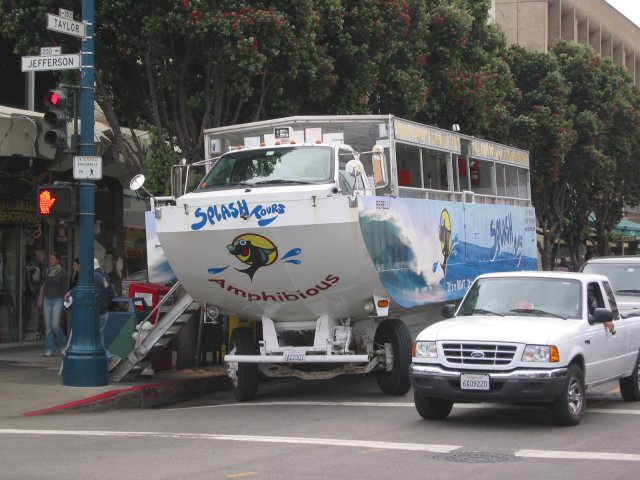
65, 25
50, 51
69, 61
87, 168
65, 13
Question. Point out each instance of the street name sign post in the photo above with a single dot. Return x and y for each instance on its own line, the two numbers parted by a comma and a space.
87, 167
69, 61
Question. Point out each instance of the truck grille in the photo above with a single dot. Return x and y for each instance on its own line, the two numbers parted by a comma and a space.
477, 354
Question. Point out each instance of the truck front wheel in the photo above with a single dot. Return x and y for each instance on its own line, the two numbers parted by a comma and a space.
568, 409
630, 386
244, 376
432, 408
394, 333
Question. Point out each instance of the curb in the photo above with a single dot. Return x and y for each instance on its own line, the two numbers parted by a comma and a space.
142, 396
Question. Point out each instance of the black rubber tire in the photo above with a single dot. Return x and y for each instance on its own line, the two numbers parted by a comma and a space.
245, 383
630, 386
432, 408
396, 333
568, 409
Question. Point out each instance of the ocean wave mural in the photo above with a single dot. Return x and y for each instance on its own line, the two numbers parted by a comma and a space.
430, 251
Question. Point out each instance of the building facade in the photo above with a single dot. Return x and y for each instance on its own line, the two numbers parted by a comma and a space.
537, 24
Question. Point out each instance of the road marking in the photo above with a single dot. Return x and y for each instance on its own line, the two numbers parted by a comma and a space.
242, 474
566, 455
461, 406
333, 442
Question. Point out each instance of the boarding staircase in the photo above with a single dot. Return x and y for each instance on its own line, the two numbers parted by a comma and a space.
149, 347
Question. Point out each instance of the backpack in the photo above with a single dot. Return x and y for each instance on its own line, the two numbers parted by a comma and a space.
105, 292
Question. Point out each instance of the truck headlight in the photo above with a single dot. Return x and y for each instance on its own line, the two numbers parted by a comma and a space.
426, 349
540, 353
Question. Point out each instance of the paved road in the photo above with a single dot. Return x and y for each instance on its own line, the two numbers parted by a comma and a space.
338, 429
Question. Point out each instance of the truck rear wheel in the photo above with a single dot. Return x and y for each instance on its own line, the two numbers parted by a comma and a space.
568, 409
630, 386
394, 333
244, 376
432, 408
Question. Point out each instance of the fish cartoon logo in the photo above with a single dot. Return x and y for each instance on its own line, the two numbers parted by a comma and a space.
253, 250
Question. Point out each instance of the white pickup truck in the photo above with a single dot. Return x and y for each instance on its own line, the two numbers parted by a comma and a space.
527, 337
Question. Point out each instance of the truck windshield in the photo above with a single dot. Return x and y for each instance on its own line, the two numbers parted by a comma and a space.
536, 297
270, 166
624, 278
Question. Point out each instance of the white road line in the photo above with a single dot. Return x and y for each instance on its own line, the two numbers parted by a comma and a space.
566, 455
469, 406
334, 442
415, 447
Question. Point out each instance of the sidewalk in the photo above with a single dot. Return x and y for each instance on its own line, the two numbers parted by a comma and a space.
30, 384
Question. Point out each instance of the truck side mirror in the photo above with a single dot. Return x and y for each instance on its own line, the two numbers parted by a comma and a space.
379, 164
449, 310
601, 315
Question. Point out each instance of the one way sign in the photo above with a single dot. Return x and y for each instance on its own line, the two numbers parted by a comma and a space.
87, 168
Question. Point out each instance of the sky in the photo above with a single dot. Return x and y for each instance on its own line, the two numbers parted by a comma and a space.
629, 8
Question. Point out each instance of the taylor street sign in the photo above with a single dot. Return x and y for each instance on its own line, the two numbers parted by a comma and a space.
65, 25
69, 61
87, 168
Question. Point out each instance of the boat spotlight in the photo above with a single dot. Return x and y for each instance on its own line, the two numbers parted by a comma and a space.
212, 313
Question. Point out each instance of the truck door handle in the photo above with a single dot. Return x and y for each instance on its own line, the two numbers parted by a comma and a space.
588, 342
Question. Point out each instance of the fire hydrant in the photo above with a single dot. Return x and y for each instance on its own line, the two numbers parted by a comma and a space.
142, 331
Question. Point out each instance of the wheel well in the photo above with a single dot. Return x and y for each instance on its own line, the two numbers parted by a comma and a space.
578, 360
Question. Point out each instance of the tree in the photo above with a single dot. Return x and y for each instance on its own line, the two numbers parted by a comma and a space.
543, 125
469, 82
601, 167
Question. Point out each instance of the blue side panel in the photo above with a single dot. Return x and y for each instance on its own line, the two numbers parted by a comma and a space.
430, 251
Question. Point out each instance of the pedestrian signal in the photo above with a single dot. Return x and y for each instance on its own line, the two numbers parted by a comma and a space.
56, 201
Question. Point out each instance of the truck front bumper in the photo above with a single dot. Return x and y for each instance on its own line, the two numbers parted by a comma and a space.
522, 385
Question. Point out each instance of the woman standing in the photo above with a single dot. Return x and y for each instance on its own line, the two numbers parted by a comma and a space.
56, 284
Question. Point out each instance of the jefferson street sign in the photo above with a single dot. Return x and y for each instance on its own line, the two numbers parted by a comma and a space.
50, 51
69, 61
87, 168
65, 25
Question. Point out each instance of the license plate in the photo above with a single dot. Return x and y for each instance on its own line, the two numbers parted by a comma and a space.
474, 382
293, 356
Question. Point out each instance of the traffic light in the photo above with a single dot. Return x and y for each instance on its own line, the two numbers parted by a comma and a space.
57, 201
55, 119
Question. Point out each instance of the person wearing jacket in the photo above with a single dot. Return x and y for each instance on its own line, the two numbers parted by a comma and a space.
56, 284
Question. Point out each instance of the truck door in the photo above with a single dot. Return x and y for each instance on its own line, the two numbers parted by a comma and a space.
604, 351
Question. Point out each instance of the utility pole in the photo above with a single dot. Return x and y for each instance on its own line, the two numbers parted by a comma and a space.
85, 361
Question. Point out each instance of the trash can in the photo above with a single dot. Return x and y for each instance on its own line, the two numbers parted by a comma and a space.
124, 314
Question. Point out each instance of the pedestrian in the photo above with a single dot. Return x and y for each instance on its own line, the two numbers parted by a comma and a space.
56, 283
105, 291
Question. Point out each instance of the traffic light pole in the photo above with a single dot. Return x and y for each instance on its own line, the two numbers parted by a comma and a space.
85, 362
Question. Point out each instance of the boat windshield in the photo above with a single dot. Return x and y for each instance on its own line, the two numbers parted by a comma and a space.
270, 166
525, 296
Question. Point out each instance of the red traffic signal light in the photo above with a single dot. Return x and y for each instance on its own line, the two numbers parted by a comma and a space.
53, 97
56, 201
55, 119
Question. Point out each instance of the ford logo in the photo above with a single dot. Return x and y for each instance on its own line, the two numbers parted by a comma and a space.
477, 354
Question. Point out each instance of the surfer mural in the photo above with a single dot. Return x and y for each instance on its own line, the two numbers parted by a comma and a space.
342, 237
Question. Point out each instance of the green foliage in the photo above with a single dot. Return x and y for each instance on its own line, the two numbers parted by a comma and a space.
158, 162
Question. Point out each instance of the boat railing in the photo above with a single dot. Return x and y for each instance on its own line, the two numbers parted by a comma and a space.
466, 196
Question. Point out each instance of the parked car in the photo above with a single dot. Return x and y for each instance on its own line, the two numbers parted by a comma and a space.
624, 275
140, 276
